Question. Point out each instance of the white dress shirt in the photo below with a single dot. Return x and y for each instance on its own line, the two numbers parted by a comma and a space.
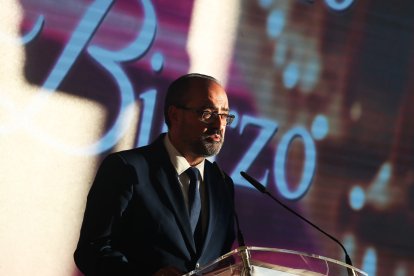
181, 165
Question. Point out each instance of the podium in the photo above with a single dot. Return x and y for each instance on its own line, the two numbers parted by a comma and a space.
258, 261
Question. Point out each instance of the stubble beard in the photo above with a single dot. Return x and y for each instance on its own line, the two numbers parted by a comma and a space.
206, 148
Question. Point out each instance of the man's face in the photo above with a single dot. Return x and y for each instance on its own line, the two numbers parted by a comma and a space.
202, 139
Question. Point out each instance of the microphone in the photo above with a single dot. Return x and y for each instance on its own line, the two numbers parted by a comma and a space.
240, 237
263, 189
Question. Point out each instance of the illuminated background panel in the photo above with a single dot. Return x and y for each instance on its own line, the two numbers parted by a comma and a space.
322, 93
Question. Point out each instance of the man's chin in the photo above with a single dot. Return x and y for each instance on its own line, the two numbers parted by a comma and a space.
212, 148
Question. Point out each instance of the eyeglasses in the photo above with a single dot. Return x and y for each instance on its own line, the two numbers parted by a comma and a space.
209, 117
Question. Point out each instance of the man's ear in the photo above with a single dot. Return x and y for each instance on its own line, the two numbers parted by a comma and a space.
173, 114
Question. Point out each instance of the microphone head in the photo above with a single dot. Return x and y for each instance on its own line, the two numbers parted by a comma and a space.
254, 182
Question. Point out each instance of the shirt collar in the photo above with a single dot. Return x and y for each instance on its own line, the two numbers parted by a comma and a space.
179, 162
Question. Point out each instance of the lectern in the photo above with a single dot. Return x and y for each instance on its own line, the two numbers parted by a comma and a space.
252, 260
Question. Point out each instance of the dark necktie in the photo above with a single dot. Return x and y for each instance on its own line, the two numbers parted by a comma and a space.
194, 201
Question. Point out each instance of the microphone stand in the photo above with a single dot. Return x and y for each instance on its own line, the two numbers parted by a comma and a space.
263, 189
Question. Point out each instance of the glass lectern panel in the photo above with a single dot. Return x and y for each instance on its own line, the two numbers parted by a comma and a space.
251, 260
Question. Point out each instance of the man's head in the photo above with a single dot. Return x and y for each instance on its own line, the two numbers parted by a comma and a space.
192, 107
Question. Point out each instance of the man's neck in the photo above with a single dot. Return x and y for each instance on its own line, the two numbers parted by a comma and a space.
191, 159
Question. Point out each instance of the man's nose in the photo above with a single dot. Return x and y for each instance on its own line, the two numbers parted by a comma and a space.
219, 121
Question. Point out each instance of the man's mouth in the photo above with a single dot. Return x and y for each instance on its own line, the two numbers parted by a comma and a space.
213, 136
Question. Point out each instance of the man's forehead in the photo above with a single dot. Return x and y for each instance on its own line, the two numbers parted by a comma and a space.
215, 107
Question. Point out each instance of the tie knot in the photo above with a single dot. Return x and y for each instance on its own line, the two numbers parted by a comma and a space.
192, 173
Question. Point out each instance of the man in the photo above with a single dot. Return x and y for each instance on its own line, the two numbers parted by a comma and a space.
143, 215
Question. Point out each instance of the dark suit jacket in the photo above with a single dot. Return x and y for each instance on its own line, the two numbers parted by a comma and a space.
136, 221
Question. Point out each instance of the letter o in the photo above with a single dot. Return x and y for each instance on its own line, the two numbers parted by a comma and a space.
279, 168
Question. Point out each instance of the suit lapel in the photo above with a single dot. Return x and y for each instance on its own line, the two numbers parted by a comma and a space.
210, 181
176, 201
169, 186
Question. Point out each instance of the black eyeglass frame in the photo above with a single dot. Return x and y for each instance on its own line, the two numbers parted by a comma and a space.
213, 115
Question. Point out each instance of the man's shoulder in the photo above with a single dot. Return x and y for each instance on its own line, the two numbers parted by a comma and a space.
150, 150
